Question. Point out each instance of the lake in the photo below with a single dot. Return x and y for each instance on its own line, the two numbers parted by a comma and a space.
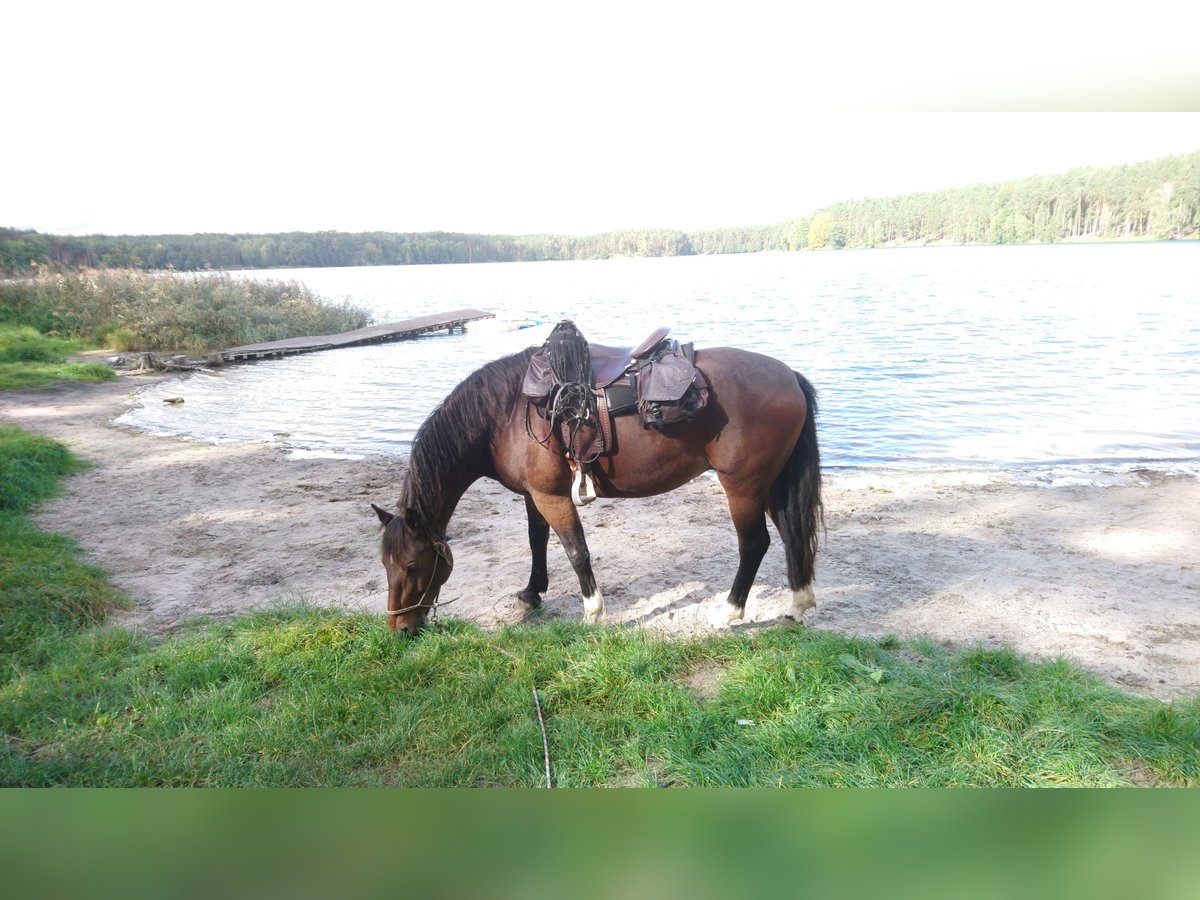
1052, 359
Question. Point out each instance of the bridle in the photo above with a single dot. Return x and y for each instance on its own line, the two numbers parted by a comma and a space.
440, 551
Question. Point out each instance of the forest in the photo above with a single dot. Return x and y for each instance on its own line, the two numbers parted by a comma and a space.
1154, 200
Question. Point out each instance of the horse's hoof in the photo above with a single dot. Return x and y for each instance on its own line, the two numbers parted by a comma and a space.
529, 599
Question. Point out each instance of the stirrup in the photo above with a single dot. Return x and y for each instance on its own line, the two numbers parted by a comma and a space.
583, 489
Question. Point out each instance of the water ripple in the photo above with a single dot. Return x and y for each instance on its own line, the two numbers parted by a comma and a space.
993, 356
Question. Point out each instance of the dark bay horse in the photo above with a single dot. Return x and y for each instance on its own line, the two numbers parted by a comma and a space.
757, 431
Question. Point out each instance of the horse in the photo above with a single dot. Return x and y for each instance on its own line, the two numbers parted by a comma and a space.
757, 431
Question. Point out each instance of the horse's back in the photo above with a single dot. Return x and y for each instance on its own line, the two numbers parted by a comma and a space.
738, 371
752, 421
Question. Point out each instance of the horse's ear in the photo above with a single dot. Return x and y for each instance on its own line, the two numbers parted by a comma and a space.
384, 515
412, 519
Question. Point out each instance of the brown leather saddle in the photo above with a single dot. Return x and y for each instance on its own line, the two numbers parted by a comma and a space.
576, 388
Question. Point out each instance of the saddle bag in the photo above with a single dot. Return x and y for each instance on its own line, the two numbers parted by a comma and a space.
670, 389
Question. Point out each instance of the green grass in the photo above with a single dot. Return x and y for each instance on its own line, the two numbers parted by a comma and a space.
29, 359
303, 696
25, 344
310, 697
20, 376
46, 595
31, 468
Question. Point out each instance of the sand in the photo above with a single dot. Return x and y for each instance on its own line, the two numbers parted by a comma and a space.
1103, 575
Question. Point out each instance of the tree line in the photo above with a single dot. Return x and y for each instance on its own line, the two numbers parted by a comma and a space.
25, 250
1156, 200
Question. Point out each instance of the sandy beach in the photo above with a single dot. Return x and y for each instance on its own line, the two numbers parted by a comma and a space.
1103, 575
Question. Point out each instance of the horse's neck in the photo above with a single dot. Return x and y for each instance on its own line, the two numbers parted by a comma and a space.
454, 444
452, 492
446, 481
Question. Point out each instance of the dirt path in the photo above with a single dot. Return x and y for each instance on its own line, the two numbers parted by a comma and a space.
1105, 576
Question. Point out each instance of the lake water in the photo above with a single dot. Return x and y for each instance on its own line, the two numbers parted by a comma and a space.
1051, 359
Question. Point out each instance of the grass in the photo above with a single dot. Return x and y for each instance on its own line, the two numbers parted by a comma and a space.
303, 696
29, 359
310, 697
46, 595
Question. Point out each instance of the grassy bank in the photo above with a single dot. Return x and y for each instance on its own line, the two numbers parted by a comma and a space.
308, 697
29, 359
302, 696
46, 595
193, 313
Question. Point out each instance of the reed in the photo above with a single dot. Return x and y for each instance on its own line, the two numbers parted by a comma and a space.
129, 310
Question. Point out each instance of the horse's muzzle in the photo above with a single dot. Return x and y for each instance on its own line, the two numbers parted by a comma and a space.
410, 624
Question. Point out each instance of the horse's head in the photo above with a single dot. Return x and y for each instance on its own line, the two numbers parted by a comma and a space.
417, 565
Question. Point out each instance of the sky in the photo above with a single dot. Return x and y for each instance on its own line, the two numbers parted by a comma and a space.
522, 117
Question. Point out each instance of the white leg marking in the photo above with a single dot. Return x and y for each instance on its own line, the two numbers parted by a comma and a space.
803, 600
722, 613
593, 607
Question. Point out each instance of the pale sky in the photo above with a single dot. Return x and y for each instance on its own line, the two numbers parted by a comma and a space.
519, 117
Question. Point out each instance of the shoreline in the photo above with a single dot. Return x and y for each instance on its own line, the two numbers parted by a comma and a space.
1103, 575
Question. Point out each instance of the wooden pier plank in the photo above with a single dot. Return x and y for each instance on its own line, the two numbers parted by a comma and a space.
390, 331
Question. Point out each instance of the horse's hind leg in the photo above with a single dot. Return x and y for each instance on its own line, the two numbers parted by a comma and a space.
539, 537
749, 518
560, 514
804, 597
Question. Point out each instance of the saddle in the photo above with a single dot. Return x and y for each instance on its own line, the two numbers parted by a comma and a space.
576, 389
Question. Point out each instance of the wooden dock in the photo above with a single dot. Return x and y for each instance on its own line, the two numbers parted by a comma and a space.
372, 334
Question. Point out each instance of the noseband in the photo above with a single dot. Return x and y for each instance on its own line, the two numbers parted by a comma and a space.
440, 551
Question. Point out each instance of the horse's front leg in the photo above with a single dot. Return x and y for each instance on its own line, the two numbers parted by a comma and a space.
560, 514
539, 537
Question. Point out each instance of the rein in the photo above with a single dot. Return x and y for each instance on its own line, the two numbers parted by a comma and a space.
570, 406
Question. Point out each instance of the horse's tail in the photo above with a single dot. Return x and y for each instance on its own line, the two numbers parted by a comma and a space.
796, 497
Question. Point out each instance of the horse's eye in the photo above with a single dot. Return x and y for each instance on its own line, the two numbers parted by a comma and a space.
412, 568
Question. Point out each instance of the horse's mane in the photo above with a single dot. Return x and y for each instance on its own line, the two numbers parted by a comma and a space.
458, 430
